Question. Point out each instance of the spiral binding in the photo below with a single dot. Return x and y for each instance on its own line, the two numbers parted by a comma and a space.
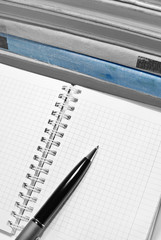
44, 157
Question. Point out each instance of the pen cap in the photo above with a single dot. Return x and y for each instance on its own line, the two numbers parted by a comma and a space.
31, 232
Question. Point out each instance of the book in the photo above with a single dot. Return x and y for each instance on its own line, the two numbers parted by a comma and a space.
108, 69
46, 127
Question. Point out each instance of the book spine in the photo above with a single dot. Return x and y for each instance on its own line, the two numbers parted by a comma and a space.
44, 158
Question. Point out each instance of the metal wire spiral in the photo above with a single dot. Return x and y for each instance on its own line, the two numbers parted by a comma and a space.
43, 159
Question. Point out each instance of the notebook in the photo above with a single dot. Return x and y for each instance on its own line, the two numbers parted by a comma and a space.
46, 127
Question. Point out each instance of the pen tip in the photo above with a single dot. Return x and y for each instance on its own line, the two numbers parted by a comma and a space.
92, 154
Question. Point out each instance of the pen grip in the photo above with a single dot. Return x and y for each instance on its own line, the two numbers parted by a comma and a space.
31, 232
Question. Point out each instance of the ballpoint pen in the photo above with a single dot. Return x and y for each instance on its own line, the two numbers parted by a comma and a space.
44, 216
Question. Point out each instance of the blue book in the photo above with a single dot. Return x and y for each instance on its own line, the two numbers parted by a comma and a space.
105, 70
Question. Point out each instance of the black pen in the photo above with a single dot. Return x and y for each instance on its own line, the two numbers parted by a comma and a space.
41, 220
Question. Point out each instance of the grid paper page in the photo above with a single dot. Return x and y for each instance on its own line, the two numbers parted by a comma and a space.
119, 195
26, 102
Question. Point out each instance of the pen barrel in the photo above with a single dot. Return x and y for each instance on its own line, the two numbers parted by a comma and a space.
62, 193
31, 231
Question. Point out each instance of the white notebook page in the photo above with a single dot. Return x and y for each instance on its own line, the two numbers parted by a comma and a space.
119, 195
26, 103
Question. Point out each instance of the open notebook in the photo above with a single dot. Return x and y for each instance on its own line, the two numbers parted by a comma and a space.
119, 196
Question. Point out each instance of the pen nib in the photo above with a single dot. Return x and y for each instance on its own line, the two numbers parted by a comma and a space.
92, 154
